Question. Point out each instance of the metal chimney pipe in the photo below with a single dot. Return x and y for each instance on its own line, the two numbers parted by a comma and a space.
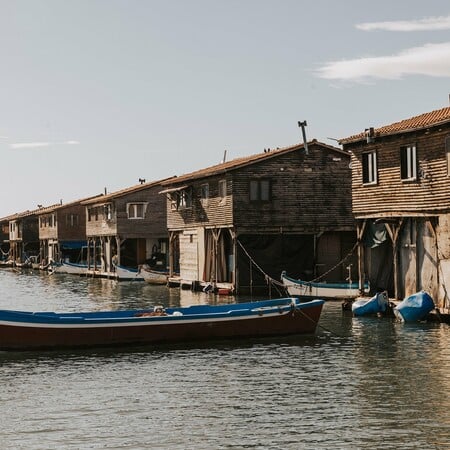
303, 125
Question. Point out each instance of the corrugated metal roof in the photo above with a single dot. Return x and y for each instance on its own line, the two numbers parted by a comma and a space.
244, 161
425, 120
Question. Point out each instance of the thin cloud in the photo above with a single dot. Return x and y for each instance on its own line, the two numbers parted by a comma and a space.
20, 145
428, 24
431, 60
30, 145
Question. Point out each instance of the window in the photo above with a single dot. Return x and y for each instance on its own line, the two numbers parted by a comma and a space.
107, 211
92, 213
185, 198
204, 191
369, 166
136, 210
260, 191
222, 188
204, 194
447, 153
72, 220
408, 163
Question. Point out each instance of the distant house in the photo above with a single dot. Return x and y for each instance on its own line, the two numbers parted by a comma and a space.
4, 239
62, 232
126, 228
23, 236
233, 224
401, 201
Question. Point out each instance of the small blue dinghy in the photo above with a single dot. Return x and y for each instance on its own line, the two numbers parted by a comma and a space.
415, 307
377, 304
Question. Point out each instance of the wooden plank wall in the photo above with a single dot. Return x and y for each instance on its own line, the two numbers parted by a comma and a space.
310, 193
391, 195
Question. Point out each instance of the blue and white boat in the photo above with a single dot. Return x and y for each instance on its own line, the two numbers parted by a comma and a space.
309, 289
415, 307
23, 330
375, 305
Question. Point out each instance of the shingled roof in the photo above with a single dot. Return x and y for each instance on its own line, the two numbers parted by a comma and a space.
244, 161
135, 188
433, 118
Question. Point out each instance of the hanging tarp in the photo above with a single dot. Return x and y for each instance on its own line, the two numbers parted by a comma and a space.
72, 245
375, 234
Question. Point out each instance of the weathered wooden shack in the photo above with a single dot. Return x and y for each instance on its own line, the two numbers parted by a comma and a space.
401, 201
62, 232
234, 224
4, 239
126, 228
23, 236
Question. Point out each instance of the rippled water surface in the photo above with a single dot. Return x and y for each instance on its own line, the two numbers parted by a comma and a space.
357, 384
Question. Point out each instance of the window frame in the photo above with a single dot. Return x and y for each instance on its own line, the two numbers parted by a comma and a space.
408, 163
204, 193
222, 188
447, 153
72, 220
260, 190
184, 200
369, 163
134, 207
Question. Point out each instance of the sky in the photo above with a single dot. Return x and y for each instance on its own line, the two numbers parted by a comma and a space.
95, 94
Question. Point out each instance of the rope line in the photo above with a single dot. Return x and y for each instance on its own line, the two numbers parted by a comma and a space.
318, 324
337, 265
269, 279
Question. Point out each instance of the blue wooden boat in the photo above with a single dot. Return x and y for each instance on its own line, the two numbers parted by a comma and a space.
309, 289
415, 307
20, 330
375, 305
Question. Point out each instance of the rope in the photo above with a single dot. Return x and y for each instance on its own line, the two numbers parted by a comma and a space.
318, 325
267, 277
337, 265
441, 257
276, 283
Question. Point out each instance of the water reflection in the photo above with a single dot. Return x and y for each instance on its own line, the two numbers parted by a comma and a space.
358, 383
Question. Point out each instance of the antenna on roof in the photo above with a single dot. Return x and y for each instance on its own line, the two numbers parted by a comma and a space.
303, 125
224, 156
142, 180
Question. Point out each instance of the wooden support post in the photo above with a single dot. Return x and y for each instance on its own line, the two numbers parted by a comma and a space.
360, 228
171, 252
394, 233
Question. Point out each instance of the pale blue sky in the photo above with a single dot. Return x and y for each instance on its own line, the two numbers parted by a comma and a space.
97, 94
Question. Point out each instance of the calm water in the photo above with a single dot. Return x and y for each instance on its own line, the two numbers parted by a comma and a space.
357, 384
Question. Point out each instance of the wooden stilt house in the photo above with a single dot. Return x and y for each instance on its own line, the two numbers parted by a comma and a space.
4, 241
62, 232
401, 201
234, 225
24, 237
126, 229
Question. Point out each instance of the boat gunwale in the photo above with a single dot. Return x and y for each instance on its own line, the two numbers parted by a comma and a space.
134, 317
353, 285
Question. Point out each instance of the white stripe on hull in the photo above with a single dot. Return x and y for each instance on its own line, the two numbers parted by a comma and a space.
138, 321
